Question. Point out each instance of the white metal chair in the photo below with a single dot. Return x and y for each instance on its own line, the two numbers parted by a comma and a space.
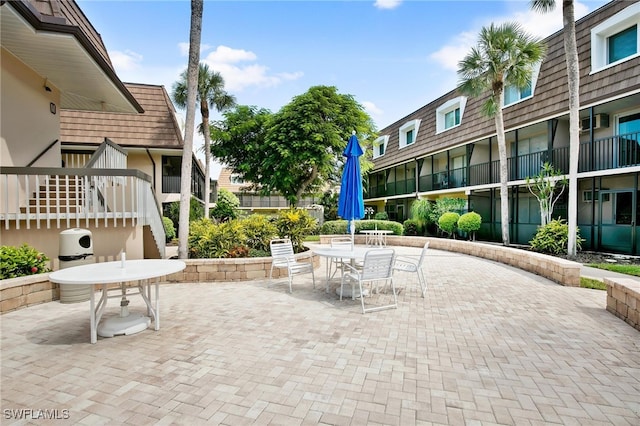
284, 258
413, 264
377, 268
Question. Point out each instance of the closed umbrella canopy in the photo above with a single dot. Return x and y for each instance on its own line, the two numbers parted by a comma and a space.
351, 202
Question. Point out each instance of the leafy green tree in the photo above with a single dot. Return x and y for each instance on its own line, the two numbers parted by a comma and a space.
504, 55
547, 187
470, 222
210, 93
298, 149
226, 207
573, 74
420, 211
448, 222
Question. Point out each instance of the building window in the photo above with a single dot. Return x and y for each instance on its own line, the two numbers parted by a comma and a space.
623, 44
236, 180
449, 114
408, 133
512, 94
380, 146
616, 39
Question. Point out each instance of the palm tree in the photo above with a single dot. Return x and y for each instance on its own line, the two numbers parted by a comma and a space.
573, 76
504, 56
210, 93
195, 34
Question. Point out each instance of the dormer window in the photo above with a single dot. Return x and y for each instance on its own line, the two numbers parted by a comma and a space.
512, 94
408, 133
616, 39
236, 180
449, 114
380, 146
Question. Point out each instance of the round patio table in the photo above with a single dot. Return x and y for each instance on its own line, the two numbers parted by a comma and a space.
120, 272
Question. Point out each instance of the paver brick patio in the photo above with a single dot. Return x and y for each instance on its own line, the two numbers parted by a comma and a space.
489, 344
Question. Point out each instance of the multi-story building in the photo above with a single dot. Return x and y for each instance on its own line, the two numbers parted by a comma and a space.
78, 147
448, 148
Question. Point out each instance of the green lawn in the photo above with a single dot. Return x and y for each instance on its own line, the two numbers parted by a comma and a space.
623, 269
592, 283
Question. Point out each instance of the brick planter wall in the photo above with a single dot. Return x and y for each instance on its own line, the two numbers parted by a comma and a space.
623, 300
559, 270
16, 293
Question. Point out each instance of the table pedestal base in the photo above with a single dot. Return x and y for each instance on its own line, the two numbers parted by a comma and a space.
131, 324
347, 292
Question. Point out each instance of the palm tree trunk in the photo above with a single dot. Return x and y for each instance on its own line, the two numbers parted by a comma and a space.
204, 110
504, 172
573, 74
187, 151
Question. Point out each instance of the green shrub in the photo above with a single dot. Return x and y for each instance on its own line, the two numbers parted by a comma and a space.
381, 216
295, 224
412, 227
444, 205
470, 222
196, 211
226, 207
259, 230
448, 222
209, 240
553, 237
421, 212
20, 261
338, 227
169, 229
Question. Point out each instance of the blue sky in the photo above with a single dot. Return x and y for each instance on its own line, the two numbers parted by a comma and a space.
393, 56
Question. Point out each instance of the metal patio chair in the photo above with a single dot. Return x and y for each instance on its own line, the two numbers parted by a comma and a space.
377, 268
284, 258
413, 264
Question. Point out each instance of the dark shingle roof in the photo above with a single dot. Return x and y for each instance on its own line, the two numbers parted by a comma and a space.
157, 127
550, 97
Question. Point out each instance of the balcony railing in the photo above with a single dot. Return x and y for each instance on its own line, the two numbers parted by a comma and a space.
601, 154
37, 197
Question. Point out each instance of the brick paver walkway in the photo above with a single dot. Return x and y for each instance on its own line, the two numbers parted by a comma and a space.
488, 345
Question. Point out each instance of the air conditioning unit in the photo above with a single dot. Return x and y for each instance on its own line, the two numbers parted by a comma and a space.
600, 121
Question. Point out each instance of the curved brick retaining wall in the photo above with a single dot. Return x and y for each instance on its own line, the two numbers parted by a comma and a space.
18, 293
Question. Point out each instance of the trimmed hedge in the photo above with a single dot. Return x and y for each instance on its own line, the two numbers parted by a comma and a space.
336, 227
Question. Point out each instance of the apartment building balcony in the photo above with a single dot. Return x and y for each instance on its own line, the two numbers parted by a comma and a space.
607, 153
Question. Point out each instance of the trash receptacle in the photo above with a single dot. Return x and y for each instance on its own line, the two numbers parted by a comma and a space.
76, 248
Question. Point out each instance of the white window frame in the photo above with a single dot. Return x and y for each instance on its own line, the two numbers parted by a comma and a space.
406, 128
450, 105
600, 34
382, 140
535, 72
236, 179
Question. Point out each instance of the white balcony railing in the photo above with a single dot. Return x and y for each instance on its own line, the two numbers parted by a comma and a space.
36, 197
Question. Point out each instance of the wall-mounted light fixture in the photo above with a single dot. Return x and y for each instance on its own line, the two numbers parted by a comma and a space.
46, 85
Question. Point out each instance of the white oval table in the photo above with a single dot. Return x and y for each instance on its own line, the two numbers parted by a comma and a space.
120, 272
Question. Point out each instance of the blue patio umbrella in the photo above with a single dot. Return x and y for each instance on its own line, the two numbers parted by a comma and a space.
351, 202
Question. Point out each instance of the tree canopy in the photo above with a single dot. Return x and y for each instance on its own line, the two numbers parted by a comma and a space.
299, 148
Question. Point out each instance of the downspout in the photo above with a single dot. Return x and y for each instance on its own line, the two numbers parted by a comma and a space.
154, 169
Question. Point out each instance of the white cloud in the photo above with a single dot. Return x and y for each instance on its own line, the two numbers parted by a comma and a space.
387, 4
372, 109
239, 70
224, 54
535, 23
125, 61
